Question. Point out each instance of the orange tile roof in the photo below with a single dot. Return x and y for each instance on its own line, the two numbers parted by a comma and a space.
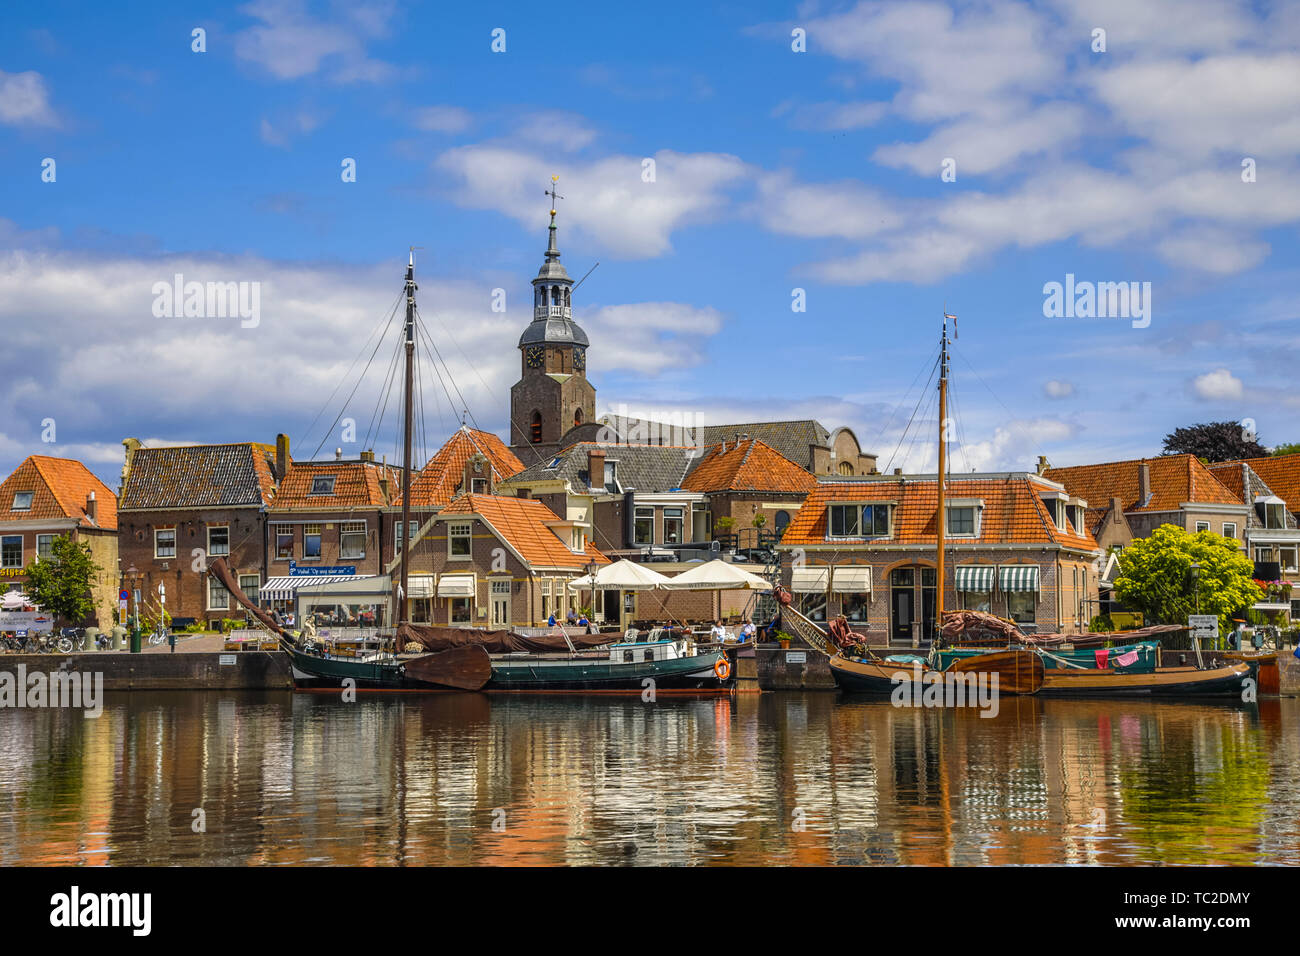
522, 523
1282, 475
1230, 476
1174, 479
439, 481
1013, 512
356, 485
750, 465
59, 488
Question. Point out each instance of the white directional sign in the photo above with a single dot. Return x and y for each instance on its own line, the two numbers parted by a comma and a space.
1204, 626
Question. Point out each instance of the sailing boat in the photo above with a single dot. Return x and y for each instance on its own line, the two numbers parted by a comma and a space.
1021, 669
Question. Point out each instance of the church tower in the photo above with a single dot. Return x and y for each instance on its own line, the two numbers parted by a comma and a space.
552, 394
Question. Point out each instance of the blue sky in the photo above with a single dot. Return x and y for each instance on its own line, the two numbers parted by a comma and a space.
774, 170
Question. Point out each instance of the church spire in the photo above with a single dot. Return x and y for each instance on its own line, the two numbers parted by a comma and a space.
552, 250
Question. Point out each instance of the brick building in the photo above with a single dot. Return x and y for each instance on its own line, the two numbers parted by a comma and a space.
180, 506
1017, 545
494, 561
746, 479
45, 498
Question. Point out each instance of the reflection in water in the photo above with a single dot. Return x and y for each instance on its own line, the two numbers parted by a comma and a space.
776, 778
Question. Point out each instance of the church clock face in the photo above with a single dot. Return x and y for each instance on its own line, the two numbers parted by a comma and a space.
579, 359
533, 356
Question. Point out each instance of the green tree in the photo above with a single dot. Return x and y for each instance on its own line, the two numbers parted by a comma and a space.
1155, 576
1290, 448
61, 583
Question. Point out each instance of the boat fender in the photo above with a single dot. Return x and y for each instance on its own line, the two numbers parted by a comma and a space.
722, 668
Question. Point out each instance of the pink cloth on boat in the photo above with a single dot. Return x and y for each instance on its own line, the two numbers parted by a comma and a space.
1127, 660
1102, 654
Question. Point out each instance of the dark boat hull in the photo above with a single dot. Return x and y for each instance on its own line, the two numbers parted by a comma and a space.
463, 669
694, 674
1189, 682
879, 678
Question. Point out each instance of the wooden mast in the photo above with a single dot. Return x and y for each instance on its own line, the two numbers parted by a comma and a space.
406, 439
941, 520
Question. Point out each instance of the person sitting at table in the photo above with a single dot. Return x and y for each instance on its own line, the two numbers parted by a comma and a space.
572, 616
583, 622
550, 621
717, 633
747, 632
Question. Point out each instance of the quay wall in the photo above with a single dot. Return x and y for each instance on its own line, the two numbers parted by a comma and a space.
244, 670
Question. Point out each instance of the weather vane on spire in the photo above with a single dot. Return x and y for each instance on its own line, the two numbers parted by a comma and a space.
553, 194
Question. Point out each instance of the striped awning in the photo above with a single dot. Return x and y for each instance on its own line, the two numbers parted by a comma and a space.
852, 579
809, 580
283, 589
974, 578
1018, 577
456, 586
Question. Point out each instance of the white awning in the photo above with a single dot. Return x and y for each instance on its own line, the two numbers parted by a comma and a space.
717, 575
852, 579
456, 586
420, 585
809, 580
622, 575
283, 589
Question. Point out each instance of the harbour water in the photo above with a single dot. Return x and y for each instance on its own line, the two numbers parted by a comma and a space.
280, 778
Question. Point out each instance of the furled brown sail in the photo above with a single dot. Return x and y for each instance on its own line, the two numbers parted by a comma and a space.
436, 638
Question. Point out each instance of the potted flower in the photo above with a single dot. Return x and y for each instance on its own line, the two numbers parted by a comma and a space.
783, 639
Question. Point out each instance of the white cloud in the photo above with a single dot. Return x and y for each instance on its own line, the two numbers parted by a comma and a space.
281, 132
607, 200
25, 100
1219, 385
650, 337
290, 44
441, 119
1213, 250
1058, 389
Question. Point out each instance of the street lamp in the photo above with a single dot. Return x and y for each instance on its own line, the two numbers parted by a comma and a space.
133, 575
1196, 584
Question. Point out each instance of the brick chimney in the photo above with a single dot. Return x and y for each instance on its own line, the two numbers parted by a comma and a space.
368, 456
132, 445
477, 469
596, 467
1043, 464
1144, 484
1116, 506
281, 456
92, 508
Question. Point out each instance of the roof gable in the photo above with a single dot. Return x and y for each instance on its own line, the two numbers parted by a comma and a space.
59, 487
356, 484
648, 469
751, 465
1175, 479
1281, 473
439, 481
522, 523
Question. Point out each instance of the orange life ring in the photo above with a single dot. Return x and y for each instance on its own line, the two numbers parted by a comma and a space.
722, 668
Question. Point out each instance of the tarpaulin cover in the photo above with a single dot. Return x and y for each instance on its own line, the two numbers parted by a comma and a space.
218, 567
435, 638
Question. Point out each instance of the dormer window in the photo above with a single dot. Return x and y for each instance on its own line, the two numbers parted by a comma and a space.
322, 485
964, 518
611, 478
860, 521
22, 501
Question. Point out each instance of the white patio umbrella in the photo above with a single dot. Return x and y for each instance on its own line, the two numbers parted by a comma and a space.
718, 575
13, 601
622, 575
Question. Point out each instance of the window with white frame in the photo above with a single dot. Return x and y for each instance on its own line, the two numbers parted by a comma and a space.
1202, 526
546, 599
218, 540
22, 501
459, 539
643, 526
11, 551
283, 541
611, 478
1021, 606
397, 534
462, 610
250, 584
352, 539
164, 543
1263, 554
1274, 516
218, 596
673, 522
311, 534
860, 521
1229, 529
1287, 556
976, 601
45, 546
578, 541
962, 519
322, 485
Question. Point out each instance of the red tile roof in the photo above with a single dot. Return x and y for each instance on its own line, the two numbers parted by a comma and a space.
1013, 512
1174, 479
59, 488
750, 465
1282, 475
522, 523
356, 485
439, 481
